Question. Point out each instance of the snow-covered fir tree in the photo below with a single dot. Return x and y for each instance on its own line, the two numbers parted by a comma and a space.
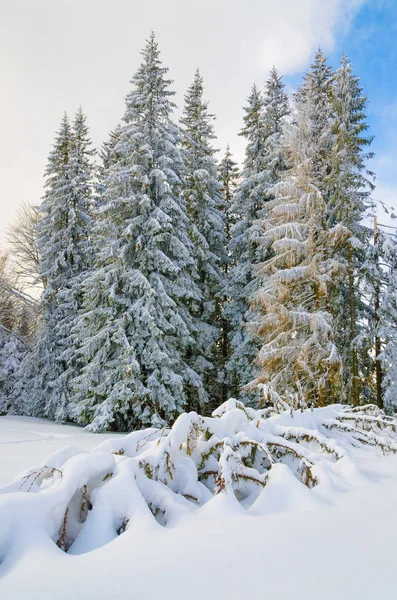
263, 164
349, 186
228, 173
276, 108
243, 245
62, 235
298, 356
40, 366
12, 351
228, 176
80, 252
107, 155
387, 321
314, 97
136, 327
207, 228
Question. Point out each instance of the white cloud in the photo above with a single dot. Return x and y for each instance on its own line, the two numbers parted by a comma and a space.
298, 28
59, 55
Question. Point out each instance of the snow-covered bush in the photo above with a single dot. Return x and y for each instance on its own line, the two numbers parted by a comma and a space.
83, 500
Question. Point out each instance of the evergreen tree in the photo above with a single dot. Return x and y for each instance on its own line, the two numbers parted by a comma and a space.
41, 366
298, 357
62, 242
263, 165
207, 226
228, 177
387, 321
243, 246
136, 326
276, 108
314, 97
107, 155
80, 252
12, 350
349, 187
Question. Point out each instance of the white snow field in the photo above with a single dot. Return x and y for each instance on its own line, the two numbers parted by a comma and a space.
243, 505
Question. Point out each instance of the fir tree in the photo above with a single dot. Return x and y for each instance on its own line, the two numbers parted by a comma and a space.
315, 98
349, 187
80, 252
298, 355
62, 242
12, 351
207, 227
228, 177
108, 155
276, 108
262, 168
243, 246
387, 321
41, 366
136, 326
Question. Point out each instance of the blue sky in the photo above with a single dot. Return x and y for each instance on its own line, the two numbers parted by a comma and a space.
372, 47
371, 44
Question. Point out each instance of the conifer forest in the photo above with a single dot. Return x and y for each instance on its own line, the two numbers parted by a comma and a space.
170, 281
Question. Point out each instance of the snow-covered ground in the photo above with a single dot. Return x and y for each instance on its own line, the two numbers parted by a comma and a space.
25, 441
333, 542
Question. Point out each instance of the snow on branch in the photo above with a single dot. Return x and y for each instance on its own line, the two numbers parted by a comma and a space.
83, 500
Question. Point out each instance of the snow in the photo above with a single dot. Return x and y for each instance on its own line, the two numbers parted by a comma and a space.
334, 541
27, 441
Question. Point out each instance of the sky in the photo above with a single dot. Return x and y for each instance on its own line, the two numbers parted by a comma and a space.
57, 55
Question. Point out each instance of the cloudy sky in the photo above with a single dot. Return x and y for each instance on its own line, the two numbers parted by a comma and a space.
58, 54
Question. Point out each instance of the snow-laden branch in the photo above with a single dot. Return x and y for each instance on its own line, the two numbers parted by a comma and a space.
83, 500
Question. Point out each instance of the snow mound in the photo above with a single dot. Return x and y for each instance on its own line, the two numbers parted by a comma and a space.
238, 461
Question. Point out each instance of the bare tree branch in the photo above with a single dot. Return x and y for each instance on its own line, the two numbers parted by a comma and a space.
23, 242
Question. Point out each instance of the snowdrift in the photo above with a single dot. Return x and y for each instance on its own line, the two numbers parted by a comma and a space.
239, 460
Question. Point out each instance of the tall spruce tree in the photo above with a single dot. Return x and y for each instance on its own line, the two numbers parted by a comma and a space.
243, 246
387, 321
207, 227
136, 326
263, 166
80, 251
107, 156
314, 97
298, 358
62, 239
12, 351
228, 177
41, 366
276, 108
349, 186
